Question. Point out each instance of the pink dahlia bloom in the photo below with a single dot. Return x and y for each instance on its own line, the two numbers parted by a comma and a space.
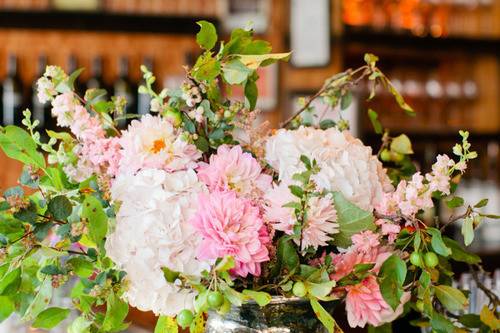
365, 241
153, 142
365, 304
233, 169
282, 218
231, 226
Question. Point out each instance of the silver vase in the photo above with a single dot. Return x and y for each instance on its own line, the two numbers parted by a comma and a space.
281, 315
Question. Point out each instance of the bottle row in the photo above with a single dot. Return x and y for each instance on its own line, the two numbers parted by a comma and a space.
16, 96
438, 18
172, 7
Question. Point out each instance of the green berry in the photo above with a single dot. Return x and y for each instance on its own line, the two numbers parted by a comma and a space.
299, 289
185, 318
385, 155
174, 116
431, 259
416, 259
215, 299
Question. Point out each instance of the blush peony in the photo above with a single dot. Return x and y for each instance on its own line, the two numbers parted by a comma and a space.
346, 164
233, 169
152, 231
153, 142
231, 226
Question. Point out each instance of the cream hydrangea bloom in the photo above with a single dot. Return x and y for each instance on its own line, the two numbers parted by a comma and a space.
152, 232
346, 164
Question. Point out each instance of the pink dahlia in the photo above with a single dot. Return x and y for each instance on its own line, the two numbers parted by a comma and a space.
282, 218
321, 222
365, 304
233, 169
231, 226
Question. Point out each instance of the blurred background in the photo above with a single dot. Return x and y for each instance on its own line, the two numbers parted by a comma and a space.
443, 55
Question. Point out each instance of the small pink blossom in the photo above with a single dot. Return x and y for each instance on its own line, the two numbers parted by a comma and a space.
365, 304
233, 169
282, 218
388, 229
63, 108
320, 224
365, 241
231, 226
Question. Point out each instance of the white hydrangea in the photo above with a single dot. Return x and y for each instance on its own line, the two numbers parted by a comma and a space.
152, 232
346, 164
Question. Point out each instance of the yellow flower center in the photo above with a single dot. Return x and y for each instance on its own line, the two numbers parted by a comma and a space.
158, 145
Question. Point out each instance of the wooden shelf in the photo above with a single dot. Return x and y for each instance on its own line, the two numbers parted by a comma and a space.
101, 21
370, 38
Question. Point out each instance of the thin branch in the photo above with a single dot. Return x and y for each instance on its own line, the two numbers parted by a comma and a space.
494, 300
56, 221
453, 219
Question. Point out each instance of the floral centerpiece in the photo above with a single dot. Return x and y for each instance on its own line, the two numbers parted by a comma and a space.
195, 209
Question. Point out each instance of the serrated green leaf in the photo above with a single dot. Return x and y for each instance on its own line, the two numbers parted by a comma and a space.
351, 220
18, 144
207, 36
452, 298
50, 317
206, 68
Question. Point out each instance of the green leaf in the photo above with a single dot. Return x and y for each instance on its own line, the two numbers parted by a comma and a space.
50, 317
481, 203
262, 298
72, 78
459, 254
351, 220
287, 254
18, 144
79, 325
60, 207
370, 59
455, 202
441, 324
188, 123
296, 191
323, 316
10, 282
489, 318
81, 266
346, 100
402, 144
235, 72
251, 94
391, 279
437, 242
327, 123
468, 230
236, 298
97, 218
377, 126
452, 298
206, 68
169, 274
116, 311
400, 100
470, 320
41, 300
202, 144
254, 61
386, 328
6, 307
225, 264
51, 270
320, 290
166, 324
207, 36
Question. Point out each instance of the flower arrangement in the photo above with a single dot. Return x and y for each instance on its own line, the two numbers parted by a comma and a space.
195, 209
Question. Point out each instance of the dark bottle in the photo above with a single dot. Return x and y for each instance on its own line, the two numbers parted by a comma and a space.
125, 88
73, 66
12, 95
96, 80
39, 111
144, 100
